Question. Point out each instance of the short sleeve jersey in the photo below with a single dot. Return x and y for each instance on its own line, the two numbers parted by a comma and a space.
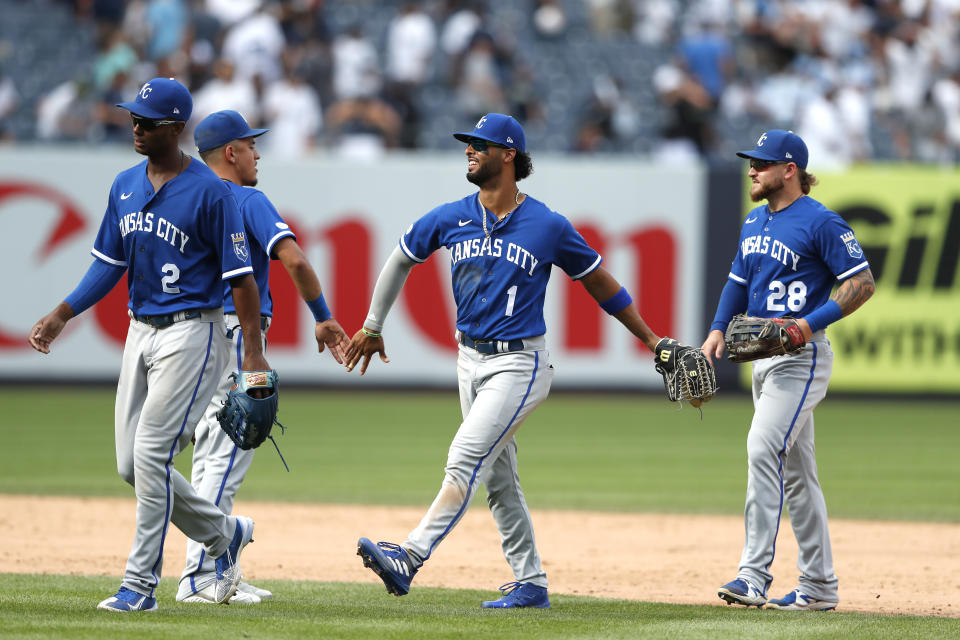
177, 244
264, 227
500, 280
789, 260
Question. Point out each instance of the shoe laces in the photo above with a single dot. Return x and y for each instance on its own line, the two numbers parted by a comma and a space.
510, 587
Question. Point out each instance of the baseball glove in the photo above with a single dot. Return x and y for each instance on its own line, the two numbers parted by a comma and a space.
246, 419
751, 338
687, 374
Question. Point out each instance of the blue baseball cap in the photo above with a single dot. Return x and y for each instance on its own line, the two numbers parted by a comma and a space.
161, 99
498, 128
778, 145
221, 127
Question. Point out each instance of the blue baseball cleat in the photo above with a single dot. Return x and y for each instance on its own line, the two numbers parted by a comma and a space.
796, 600
126, 600
228, 571
390, 562
741, 591
520, 594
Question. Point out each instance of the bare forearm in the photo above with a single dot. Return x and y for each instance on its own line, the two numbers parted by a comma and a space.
854, 291
298, 267
602, 286
246, 299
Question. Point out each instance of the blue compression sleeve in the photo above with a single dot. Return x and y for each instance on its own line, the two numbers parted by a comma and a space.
823, 315
98, 281
733, 300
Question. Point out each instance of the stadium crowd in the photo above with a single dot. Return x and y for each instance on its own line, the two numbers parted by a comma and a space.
857, 79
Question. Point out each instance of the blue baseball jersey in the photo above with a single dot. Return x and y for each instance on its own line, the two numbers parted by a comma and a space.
264, 227
177, 244
790, 260
499, 282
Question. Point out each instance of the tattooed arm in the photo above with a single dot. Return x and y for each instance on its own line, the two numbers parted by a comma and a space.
854, 291
848, 297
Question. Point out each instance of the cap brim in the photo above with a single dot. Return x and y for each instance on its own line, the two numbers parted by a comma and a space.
138, 109
463, 136
753, 153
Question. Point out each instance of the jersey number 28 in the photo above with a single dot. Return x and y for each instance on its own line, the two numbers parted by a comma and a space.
795, 294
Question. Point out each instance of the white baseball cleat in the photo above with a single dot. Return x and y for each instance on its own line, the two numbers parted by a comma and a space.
796, 600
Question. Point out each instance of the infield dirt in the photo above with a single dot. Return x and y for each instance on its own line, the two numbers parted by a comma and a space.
883, 567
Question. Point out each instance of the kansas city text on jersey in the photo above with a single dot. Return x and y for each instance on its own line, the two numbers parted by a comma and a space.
776, 250
493, 247
143, 221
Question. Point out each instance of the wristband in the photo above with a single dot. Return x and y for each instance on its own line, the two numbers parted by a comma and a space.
371, 334
620, 301
319, 309
823, 315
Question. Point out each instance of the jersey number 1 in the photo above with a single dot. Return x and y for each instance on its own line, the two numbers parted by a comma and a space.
511, 297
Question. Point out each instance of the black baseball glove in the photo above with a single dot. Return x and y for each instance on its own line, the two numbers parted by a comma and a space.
687, 374
246, 419
751, 338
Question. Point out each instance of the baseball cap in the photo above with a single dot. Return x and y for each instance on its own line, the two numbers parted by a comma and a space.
498, 128
161, 99
221, 127
778, 145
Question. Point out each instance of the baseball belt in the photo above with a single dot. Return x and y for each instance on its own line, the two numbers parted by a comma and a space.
490, 347
165, 320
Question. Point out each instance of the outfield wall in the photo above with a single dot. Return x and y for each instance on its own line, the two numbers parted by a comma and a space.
667, 232
644, 220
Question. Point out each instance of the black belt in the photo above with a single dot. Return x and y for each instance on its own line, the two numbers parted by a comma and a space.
490, 347
167, 319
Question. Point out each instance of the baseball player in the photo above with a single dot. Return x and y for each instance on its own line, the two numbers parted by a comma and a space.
503, 245
174, 227
227, 145
792, 251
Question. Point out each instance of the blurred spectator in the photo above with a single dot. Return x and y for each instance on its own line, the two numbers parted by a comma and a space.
166, 25
946, 96
226, 90
610, 119
480, 84
9, 101
688, 132
356, 69
362, 128
820, 124
115, 56
411, 42
464, 18
707, 54
292, 112
608, 17
549, 19
65, 112
655, 19
255, 45
229, 12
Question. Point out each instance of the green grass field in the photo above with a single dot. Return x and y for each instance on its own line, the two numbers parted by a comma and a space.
886, 459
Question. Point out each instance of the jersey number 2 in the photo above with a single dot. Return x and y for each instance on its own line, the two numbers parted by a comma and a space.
795, 293
169, 280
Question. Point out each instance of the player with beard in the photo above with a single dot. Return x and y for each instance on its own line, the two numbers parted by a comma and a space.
503, 245
792, 252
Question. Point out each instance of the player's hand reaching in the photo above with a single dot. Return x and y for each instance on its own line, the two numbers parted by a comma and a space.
49, 327
330, 334
364, 346
713, 346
